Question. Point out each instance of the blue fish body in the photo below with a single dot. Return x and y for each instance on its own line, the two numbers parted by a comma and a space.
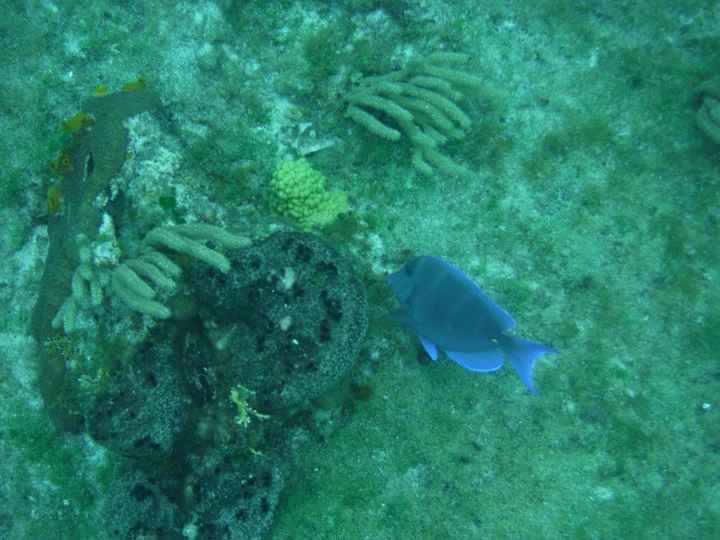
449, 312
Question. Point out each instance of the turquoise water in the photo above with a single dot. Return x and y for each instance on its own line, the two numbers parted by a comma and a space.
582, 195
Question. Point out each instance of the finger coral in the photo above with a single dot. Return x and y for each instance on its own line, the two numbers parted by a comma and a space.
136, 281
419, 101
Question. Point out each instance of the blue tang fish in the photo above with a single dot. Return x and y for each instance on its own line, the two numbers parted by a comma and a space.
450, 312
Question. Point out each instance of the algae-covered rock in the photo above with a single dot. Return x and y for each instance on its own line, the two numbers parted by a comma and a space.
135, 507
236, 499
92, 159
141, 409
291, 316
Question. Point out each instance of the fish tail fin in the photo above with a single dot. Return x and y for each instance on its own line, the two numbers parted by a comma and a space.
522, 354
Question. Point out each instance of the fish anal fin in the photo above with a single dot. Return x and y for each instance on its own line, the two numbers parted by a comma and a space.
483, 361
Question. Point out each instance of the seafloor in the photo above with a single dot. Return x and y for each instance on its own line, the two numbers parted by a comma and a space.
590, 212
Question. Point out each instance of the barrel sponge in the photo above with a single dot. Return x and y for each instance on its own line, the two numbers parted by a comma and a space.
299, 193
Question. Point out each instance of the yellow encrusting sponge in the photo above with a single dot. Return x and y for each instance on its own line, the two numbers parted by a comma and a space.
299, 192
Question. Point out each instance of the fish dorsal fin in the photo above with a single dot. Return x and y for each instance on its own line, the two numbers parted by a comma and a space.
503, 318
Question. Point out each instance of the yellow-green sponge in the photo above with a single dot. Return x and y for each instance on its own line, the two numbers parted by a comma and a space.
299, 193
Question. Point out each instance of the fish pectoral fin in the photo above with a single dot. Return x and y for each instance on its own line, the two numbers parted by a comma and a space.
484, 361
430, 348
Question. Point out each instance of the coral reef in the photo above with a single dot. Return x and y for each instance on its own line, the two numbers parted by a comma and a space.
163, 345
279, 328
